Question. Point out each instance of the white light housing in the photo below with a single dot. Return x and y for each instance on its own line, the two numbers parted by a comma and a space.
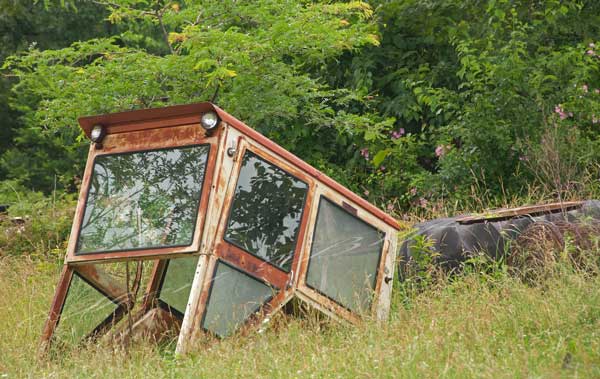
97, 133
209, 120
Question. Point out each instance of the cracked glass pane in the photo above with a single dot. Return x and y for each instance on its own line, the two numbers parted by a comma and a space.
234, 296
344, 257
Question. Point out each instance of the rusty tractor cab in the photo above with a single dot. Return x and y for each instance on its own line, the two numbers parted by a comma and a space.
191, 222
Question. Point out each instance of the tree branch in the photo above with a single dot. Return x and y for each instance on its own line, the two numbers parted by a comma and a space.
164, 31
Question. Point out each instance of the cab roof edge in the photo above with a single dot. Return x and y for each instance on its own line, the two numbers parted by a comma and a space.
175, 111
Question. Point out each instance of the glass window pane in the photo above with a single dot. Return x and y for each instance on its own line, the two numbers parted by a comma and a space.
344, 257
143, 200
266, 211
84, 309
234, 296
177, 283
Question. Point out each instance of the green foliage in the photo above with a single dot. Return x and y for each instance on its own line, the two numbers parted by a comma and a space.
479, 86
261, 61
35, 225
25, 25
408, 103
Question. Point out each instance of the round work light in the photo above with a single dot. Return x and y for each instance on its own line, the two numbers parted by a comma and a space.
97, 133
209, 120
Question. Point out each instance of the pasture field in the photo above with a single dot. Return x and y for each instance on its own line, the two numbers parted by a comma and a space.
485, 323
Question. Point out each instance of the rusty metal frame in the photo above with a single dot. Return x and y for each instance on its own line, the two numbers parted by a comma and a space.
127, 132
178, 126
383, 285
529, 210
143, 248
269, 160
241, 259
240, 138
95, 278
352, 212
232, 253
139, 141
56, 308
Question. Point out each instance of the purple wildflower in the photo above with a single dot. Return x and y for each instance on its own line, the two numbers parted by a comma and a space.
561, 113
397, 133
365, 153
440, 151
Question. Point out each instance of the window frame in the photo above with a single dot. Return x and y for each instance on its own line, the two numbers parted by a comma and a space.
247, 261
198, 200
230, 211
309, 251
262, 307
385, 265
140, 141
221, 250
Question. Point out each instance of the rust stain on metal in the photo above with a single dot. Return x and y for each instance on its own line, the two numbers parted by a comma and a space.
99, 279
170, 127
56, 307
349, 208
153, 138
158, 270
530, 210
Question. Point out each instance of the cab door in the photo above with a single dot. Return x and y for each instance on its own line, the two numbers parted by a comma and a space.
258, 242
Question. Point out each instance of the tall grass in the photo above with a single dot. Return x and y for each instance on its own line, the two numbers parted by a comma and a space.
485, 323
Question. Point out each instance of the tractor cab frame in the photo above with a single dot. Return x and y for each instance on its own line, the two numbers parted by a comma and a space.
233, 226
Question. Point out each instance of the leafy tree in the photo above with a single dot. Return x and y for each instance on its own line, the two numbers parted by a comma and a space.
405, 102
475, 86
262, 61
31, 25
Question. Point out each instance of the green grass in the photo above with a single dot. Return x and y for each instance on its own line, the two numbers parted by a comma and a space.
480, 325
483, 324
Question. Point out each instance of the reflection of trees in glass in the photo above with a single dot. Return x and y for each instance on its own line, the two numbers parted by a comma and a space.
266, 211
143, 199
344, 257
